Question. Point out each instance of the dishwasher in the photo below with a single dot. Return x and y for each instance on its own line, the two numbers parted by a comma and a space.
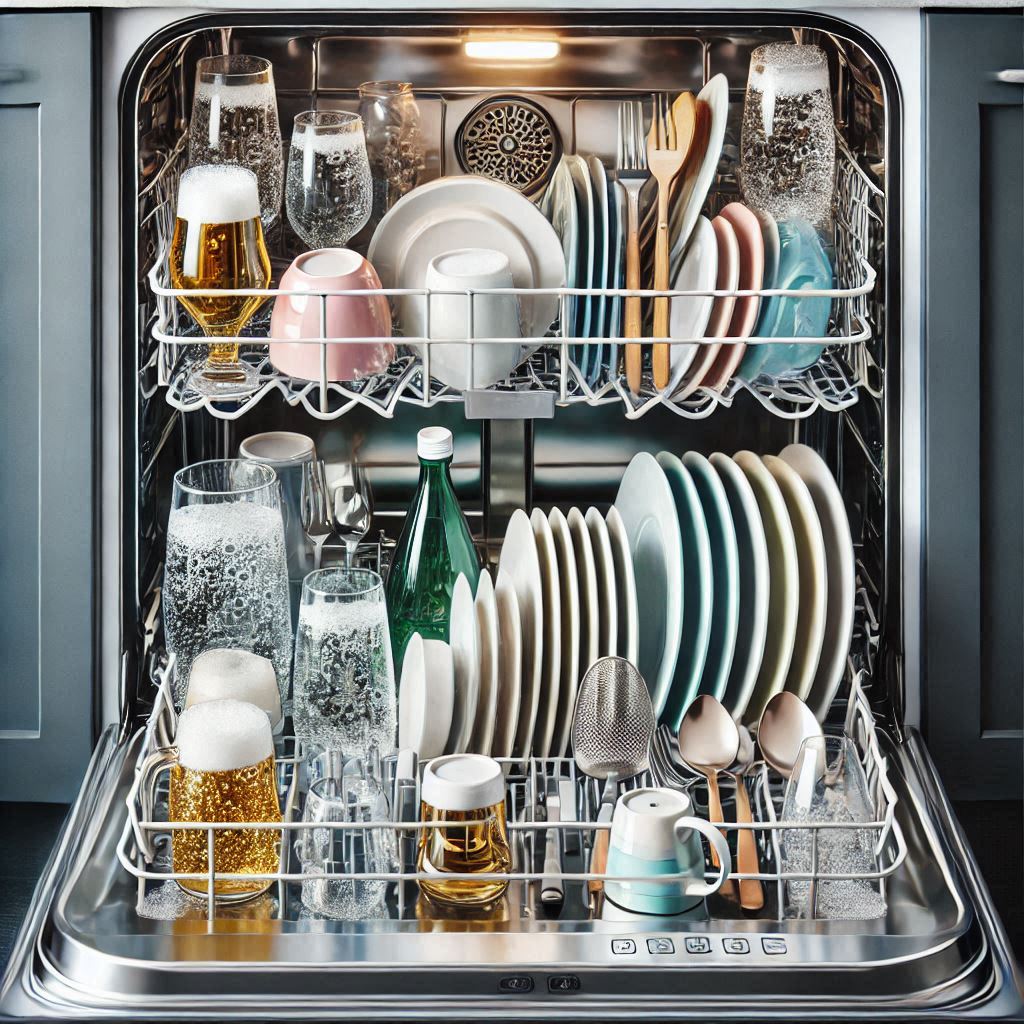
99, 943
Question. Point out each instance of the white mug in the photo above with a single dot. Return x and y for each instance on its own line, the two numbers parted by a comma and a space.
654, 835
494, 316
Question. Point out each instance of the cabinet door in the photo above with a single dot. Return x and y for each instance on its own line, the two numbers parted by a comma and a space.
974, 582
47, 206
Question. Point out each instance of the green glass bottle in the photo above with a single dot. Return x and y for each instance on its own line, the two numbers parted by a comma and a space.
435, 546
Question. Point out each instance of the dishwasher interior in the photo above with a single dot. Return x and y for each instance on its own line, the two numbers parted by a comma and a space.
115, 937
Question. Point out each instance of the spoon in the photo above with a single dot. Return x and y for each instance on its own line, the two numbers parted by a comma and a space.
709, 743
785, 723
747, 859
612, 726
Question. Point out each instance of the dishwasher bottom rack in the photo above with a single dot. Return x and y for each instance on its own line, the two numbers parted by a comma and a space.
535, 837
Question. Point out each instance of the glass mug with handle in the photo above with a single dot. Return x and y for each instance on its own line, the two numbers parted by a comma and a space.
222, 770
218, 245
654, 834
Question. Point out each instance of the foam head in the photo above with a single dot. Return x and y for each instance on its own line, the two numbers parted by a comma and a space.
221, 735
218, 194
230, 674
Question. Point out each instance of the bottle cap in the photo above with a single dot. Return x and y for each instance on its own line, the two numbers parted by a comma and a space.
463, 782
434, 443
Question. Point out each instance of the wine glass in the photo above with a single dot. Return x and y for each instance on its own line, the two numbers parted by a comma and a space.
234, 121
226, 573
394, 143
352, 504
317, 518
328, 193
218, 245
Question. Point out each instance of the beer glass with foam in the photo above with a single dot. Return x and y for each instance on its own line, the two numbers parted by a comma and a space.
218, 247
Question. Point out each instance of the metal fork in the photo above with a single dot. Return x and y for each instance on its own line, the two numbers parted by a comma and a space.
632, 172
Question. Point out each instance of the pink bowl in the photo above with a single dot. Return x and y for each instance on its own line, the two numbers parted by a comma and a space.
297, 317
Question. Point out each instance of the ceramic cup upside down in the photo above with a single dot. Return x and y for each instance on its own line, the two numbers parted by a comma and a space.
297, 317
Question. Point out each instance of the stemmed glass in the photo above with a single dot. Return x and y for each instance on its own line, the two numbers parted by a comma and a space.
234, 121
328, 193
317, 515
226, 573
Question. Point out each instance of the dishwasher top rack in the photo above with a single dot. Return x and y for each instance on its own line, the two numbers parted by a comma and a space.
551, 377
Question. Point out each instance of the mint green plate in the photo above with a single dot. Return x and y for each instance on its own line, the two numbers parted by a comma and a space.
698, 594
725, 573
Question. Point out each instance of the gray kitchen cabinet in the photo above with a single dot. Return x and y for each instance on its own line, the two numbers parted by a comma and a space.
974, 362
47, 396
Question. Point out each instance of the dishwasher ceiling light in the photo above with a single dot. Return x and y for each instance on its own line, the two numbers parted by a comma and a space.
511, 49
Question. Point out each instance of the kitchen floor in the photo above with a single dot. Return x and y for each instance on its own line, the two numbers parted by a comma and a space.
995, 830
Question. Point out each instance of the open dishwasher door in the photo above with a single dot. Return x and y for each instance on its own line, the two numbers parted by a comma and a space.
110, 937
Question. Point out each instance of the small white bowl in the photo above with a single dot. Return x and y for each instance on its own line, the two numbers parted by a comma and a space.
426, 696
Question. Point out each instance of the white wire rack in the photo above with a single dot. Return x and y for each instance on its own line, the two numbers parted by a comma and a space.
554, 370
146, 835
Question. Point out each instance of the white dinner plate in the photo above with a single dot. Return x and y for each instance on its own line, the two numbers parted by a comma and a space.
520, 562
695, 189
462, 638
625, 587
752, 625
689, 315
840, 570
426, 697
810, 556
487, 632
588, 243
569, 607
551, 670
608, 615
619, 206
648, 511
586, 576
784, 585
561, 209
604, 238
510, 671
468, 211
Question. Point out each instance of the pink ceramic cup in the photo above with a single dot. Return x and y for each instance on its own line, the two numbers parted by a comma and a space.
348, 316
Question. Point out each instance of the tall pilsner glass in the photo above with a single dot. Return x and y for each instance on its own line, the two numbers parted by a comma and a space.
218, 244
234, 121
226, 574
344, 674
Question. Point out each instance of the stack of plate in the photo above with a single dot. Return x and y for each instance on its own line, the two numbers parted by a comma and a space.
746, 575
748, 578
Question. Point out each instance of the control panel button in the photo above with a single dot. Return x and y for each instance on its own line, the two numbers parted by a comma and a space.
736, 945
698, 944
660, 946
516, 984
620, 946
774, 947
564, 983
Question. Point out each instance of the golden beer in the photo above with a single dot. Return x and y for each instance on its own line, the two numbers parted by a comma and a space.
223, 771
218, 243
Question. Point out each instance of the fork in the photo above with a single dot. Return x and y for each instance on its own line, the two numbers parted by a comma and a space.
632, 172
665, 158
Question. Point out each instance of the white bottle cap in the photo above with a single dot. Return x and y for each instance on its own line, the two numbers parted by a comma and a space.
434, 443
463, 782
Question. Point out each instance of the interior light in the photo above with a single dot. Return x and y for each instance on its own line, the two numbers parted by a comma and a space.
511, 49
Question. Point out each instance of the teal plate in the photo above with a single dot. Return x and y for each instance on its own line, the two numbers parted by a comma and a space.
698, 595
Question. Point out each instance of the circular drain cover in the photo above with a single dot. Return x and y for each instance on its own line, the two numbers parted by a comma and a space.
509, 139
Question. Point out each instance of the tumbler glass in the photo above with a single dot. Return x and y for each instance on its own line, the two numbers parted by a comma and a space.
226, 572
234, 121
788, 143
344, 674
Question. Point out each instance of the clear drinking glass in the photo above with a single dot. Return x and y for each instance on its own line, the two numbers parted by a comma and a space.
788, 143
226, 573
393, 141
828, 784
344, 674
352, 506
234, 121
353, 796
328, 192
